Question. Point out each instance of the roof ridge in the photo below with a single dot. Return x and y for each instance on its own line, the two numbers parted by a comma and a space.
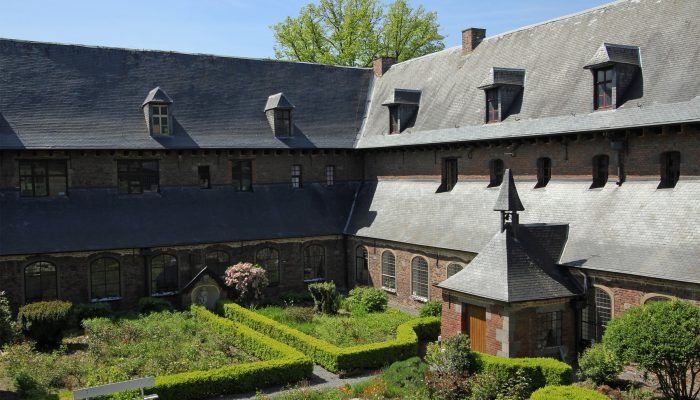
174, 52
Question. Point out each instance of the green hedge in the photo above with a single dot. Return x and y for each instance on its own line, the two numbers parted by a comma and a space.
567, 393
339, 359
541, 371
284, 365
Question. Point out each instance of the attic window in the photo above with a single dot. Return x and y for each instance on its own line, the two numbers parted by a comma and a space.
157, 110
403, 109
492, 114
159, 120
278, 110
502, 87
544, 171
670, 169
603, 87
600, 170
449, 174
614, 68
496, 168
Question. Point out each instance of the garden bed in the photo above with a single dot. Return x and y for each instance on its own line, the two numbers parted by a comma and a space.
342, 330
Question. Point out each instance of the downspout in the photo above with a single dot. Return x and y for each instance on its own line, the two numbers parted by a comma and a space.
578, 320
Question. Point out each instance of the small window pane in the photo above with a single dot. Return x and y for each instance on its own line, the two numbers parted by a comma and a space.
419, 277
388, 270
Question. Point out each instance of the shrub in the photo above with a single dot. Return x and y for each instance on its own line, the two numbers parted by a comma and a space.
567, 393
367, 299
248, 280
299, 314
433, 308
289, 299
664, 339
44, 321
325, 297
539, 371
91, 310
8, 328
453, 355
149, 305
599, 364
500, 385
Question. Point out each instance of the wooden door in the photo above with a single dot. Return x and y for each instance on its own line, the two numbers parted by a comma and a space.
474, 323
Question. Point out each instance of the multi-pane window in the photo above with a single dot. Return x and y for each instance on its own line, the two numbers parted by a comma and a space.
39, 178
394, 119
544, 171
653, 299
549, 329
600, 170
419, 277
159, 120
595, 317
670, 169
105, 281
449, 173
164, 274
137, 176
283, 123
40, 282
296, 176
217, 261
496, 170
243, 175
269, 259
388, 270
492, 106
314, 262
603, 87
453, 269
204, 178
330, 175
361, 265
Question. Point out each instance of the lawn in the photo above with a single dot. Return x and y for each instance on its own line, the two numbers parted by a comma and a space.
112, 350
342, 330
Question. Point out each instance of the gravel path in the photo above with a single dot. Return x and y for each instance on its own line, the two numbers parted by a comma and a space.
321, 379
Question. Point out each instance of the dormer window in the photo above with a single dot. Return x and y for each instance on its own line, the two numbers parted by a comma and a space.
670, 169
502, 88
496, 172
614, 68
600, 170
403, 109
159, 120
157, 110
279, 115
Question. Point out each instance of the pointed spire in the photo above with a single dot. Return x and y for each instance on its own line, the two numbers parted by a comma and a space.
508, 199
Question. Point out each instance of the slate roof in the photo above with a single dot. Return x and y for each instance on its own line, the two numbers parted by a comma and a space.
515, 269
508, 199
557, 94
157, 95
101, 219
67, 97
632, 229
279, 101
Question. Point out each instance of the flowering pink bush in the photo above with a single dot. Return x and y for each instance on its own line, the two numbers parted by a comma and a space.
249, 281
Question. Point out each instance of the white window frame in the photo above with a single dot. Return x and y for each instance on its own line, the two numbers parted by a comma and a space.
159, 114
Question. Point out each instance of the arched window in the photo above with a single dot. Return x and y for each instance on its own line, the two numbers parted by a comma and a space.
269, 258
218, 261
656, 297
453, 269
314, 262
419, 277
388, 270
164, 274
670, 169
600, 170
496, 168
105, 281
40, 282
595, 317
544, 171
361, 266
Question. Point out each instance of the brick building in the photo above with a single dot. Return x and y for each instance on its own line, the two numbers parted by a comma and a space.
125, 173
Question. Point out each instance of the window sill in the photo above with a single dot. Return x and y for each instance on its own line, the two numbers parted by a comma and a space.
105, 299
164, 294
419, 298
390, 290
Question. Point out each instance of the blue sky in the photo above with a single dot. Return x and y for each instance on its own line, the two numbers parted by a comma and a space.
233, 27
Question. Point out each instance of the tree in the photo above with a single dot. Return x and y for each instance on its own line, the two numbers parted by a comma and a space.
664, 339
354, 32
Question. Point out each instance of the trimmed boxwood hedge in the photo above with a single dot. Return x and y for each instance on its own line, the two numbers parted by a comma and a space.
567, 393
340, 359
541, 371
283, 365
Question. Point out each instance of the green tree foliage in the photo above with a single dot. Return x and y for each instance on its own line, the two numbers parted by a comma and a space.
325, 297
664, 339
8, 329
353, 32
599, 364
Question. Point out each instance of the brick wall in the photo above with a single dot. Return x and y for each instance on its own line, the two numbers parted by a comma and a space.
74, 276
497, 321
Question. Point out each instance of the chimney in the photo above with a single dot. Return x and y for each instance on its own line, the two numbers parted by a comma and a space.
382, 64
472, 37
